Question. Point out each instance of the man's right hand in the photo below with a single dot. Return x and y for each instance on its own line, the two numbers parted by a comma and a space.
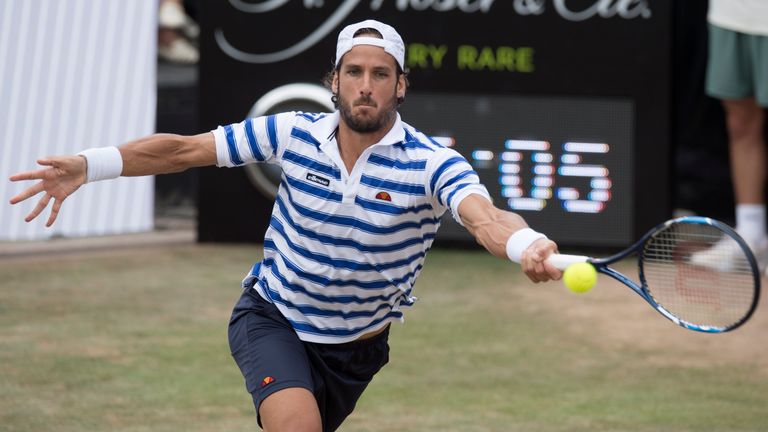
534, 261
62, 177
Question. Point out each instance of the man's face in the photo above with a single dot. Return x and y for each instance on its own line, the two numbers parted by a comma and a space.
367, 85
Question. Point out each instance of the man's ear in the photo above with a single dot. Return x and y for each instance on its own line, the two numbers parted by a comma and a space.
335, 83
401, 86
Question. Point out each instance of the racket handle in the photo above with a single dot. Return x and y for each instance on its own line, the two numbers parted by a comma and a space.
563, 261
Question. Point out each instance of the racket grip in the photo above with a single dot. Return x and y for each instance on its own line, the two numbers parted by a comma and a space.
563, 261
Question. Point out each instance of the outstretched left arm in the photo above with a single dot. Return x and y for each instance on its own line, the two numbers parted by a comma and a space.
493, 227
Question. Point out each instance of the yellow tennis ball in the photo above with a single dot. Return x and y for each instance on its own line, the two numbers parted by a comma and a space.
580, 277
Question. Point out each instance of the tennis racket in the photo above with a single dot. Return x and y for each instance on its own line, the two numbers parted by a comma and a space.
695, 271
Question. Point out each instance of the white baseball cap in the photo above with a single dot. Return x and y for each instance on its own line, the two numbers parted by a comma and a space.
391, 41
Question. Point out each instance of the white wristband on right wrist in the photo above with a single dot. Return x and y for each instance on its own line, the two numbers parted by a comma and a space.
519, 241
104, 163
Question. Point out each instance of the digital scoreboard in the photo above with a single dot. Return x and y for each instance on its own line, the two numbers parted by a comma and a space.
561, 106
565, 164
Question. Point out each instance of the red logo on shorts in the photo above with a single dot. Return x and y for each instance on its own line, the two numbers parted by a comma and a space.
266, 381
384, 196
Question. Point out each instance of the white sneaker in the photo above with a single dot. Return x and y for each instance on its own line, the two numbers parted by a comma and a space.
179, 51
727, 256
190, 29
173, 16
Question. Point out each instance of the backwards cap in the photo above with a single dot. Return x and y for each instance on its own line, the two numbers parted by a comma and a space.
391, 41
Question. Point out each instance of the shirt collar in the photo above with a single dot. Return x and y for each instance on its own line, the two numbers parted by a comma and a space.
324, 130
396, 134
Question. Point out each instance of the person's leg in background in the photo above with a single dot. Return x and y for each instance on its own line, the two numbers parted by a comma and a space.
744, 121
736, 71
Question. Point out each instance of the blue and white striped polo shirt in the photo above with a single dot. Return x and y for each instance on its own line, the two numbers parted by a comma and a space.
343, 250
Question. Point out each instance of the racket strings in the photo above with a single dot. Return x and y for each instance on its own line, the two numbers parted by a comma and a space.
699, 274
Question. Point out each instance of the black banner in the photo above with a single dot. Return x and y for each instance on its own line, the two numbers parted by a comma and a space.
574, 74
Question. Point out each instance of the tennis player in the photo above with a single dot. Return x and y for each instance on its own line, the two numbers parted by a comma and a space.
360, 201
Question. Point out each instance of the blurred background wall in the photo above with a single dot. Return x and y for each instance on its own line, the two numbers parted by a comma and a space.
76, 74
80, 74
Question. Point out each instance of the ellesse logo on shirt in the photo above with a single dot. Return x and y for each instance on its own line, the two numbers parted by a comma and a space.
314, 178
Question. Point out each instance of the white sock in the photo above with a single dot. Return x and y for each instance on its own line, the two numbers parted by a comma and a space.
750, 222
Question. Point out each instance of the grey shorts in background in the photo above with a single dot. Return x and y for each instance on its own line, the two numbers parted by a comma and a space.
737, 66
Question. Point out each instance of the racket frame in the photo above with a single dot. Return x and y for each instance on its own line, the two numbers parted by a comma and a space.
641, 289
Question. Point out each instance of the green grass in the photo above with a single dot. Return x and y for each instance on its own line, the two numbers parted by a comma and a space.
136, 341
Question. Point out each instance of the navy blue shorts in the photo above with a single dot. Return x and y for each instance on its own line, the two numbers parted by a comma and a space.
272, 357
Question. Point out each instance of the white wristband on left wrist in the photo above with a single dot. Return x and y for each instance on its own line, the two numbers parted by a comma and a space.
104, 163
519, 242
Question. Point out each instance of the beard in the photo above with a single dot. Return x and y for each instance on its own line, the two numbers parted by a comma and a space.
366, 124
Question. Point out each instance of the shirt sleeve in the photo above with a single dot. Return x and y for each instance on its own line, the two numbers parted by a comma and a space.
258, 139
451, 179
